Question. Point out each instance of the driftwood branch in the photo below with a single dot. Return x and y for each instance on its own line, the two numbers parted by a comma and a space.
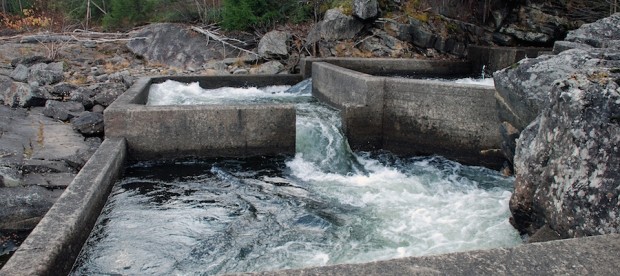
214, 36
68, 37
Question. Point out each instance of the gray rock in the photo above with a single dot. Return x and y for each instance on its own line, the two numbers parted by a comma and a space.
176, 45
98, 109
45, 166
63, 89
83, 95
63, 111
568, 160
274, 45
561, 46
49, 180
107, 93
536, 25
20, 73
365, 9
220, 65
597, 34
422, 37
504, 39
271, 67
509, 140
5, 85
335, 26
30, 60
9, 176
241, 71
89, 124
524, 87
527, 35
45, 74
23, 95
23, 207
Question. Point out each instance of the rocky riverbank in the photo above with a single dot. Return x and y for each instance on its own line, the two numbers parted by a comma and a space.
55, 87
567, 159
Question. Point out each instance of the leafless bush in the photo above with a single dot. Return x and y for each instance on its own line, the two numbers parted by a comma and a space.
591, 10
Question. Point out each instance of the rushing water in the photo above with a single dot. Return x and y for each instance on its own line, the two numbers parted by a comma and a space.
325, 205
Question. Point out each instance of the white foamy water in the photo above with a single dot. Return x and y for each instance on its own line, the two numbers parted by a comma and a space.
176, 93
482, 81
325, 205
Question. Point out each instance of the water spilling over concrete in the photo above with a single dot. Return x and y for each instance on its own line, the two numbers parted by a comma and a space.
325, 205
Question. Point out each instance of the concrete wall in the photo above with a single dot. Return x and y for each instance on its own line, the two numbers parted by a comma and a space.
497, 58
432, 117
53, 246
393, 66
411, 116
585, 256
360, 98
155, 132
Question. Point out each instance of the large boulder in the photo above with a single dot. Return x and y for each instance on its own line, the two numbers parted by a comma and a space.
176, 45
568, 160
523, 88
23, 207
46, 73
600, 34
335, 26
63, 111
274, 45
365, 9
89, 123
24, 95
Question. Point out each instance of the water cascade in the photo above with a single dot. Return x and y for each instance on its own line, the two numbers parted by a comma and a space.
325, 205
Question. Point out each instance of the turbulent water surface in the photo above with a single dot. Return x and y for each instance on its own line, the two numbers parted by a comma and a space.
325, 205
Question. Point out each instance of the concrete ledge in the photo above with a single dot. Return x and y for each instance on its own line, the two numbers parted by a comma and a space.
597, 255
157, 132
52, 247
413, 116
394, 66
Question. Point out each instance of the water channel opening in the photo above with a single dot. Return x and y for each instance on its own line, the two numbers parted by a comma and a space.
325, 205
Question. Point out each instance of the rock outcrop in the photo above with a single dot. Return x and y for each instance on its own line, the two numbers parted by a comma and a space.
176, 45
567, 159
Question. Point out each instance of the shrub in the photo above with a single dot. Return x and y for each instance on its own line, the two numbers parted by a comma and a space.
245, 14
125, 13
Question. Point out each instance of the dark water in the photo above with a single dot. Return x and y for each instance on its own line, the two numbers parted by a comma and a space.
9, 242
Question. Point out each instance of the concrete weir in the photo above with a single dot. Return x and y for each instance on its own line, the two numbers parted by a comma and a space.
160, 132
412, 116
401, 115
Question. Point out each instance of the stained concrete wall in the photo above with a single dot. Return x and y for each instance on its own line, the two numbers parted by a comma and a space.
53, 246
411, 116
157, 132
449, 119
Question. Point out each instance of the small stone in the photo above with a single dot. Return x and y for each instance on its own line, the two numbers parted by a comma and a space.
240, 72
89, 124
365, 9
98, 109
63, 111
20, 73
270, 68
